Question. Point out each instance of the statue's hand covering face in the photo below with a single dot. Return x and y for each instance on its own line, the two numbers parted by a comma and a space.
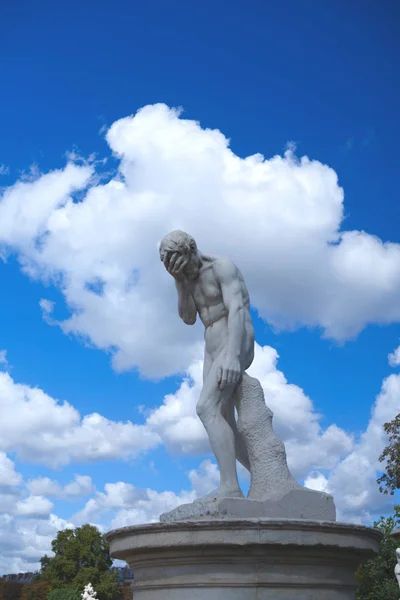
176, 251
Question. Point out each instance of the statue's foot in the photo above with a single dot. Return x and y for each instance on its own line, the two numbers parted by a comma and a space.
222, 492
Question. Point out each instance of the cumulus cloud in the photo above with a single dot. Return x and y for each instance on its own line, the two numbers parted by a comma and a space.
82, 485
8, 476
394, 357
123, 504
205, 479
333, 462
44, 486
3, 359
34, 507
27, 525
316, 481
54, 433
353, 480
23, 541
324, 458
47, 307
279, 218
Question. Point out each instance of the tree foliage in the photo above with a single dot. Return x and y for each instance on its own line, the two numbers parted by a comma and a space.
35, 591
10, 590
390, 480
65, 594
375, 577
81, 556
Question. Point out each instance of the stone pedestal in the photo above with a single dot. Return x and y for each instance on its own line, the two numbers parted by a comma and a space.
251, 559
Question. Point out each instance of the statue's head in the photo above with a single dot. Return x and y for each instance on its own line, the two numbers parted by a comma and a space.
177, 241
183, 244
398, 555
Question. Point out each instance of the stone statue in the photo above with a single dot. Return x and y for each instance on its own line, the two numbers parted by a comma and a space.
213, 288
397, 567
89, 593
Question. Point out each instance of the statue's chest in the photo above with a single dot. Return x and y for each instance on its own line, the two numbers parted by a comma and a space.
207, 291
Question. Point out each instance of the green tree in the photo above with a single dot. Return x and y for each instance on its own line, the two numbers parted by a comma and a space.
375, 577
390, 480
65, 594
81, 556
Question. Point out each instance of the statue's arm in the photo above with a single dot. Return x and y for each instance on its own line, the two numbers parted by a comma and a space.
186, 306
232, 293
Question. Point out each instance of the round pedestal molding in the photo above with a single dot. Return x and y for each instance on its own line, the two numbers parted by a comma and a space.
244, 560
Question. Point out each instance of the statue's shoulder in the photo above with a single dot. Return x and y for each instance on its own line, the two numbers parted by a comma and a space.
223, 266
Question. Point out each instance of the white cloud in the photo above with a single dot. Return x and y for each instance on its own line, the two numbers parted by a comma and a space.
23, 541
4, 170
353, 480
82, 485
280, 219
3, 359
27, 525
122, 504
47, 307
34, 507
329, 459
205, 479
329, 462
394, 357
27, 205
316, 481
44, 486
176, 421
54, 433
8, 476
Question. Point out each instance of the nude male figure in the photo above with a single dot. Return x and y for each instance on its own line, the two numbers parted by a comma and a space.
213, 288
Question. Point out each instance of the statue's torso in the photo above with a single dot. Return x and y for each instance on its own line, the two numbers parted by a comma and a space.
207, 295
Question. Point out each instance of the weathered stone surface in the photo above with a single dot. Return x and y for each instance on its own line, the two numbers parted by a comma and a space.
295, 504
244, 560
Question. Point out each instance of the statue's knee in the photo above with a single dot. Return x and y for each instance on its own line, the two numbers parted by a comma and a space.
206, 411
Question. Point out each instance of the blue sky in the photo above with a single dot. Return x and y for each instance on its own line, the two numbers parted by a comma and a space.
320, 76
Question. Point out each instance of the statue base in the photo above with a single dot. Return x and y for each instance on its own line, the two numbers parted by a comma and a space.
298, 503
244, 559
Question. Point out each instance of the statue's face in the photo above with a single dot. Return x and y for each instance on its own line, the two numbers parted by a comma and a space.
193, 267
398, 554
184, 261
178, 251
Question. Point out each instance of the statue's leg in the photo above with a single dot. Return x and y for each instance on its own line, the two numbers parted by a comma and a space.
222, 440
228, 412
